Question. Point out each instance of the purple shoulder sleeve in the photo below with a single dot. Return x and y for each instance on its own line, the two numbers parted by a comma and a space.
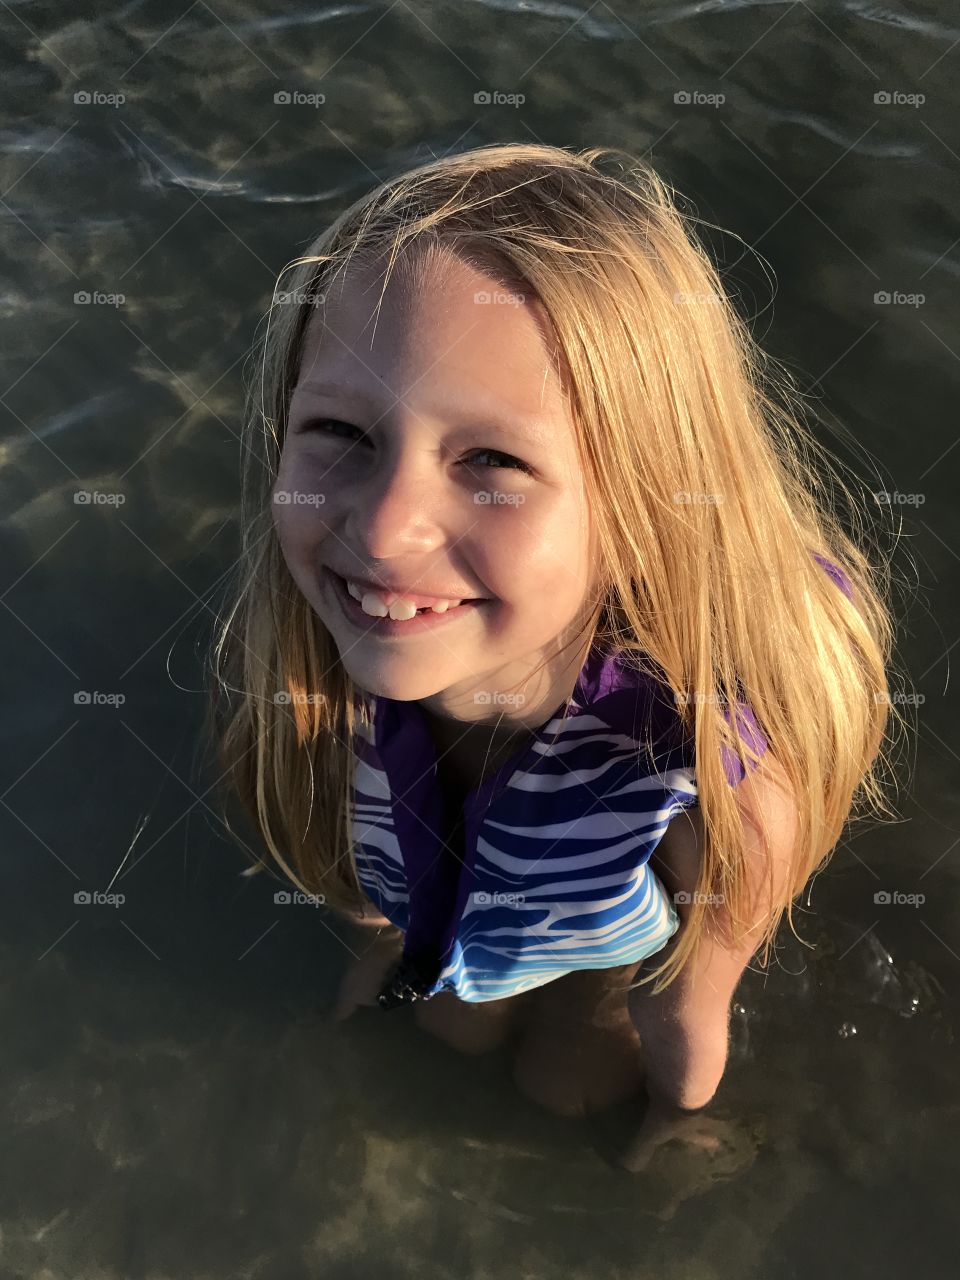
749, 731
747, 726
837, 574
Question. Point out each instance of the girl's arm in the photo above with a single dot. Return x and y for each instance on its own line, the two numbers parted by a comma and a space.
684, 1029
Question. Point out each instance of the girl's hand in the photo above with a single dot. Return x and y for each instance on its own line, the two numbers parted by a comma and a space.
367, 971
664, 1122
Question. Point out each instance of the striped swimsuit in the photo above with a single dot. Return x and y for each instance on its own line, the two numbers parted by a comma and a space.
555, 874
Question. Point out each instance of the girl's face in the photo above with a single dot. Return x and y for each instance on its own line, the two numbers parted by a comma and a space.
429, 449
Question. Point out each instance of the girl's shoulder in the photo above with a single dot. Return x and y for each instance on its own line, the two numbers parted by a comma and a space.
836, 573
631, 693
634, 698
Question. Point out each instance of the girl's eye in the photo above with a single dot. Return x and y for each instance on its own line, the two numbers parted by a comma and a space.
318, 425
503, 461
511, 463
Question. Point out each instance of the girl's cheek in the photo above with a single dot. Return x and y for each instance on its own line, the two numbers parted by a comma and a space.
299, 528
299, 495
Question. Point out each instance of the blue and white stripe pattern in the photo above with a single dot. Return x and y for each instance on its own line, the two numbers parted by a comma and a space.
555, 875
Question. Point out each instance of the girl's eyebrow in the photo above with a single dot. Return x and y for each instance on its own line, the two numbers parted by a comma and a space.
531, 429
329, 389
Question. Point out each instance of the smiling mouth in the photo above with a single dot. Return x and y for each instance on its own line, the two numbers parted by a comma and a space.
423, 618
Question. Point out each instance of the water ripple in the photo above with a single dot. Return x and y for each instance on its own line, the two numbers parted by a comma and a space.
905, 21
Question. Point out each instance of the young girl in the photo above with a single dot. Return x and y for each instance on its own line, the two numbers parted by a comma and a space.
545, 657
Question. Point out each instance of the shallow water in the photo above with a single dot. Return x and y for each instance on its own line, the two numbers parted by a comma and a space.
178, 1101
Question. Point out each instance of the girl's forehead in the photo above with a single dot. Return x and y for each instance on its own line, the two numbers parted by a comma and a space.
464, 339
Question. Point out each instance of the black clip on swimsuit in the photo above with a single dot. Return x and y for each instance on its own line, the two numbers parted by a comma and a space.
409, 982
415, 975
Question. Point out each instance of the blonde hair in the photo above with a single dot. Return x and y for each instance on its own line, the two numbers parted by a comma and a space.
707, 489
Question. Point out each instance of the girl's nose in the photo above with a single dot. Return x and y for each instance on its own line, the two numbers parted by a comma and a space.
397, 507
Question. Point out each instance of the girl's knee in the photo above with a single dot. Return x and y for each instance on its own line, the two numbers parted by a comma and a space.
538, 1080
575, 1068
468, 1028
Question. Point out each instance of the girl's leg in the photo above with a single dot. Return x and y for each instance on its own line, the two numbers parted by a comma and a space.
580, 1051
465, 1026
470, 1027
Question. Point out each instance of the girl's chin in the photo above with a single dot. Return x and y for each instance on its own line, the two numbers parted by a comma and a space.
382, 681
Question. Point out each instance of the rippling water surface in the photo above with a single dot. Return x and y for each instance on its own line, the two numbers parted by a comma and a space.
176, 1101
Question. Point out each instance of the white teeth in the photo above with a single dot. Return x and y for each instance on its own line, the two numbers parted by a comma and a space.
372, 604
399, 610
